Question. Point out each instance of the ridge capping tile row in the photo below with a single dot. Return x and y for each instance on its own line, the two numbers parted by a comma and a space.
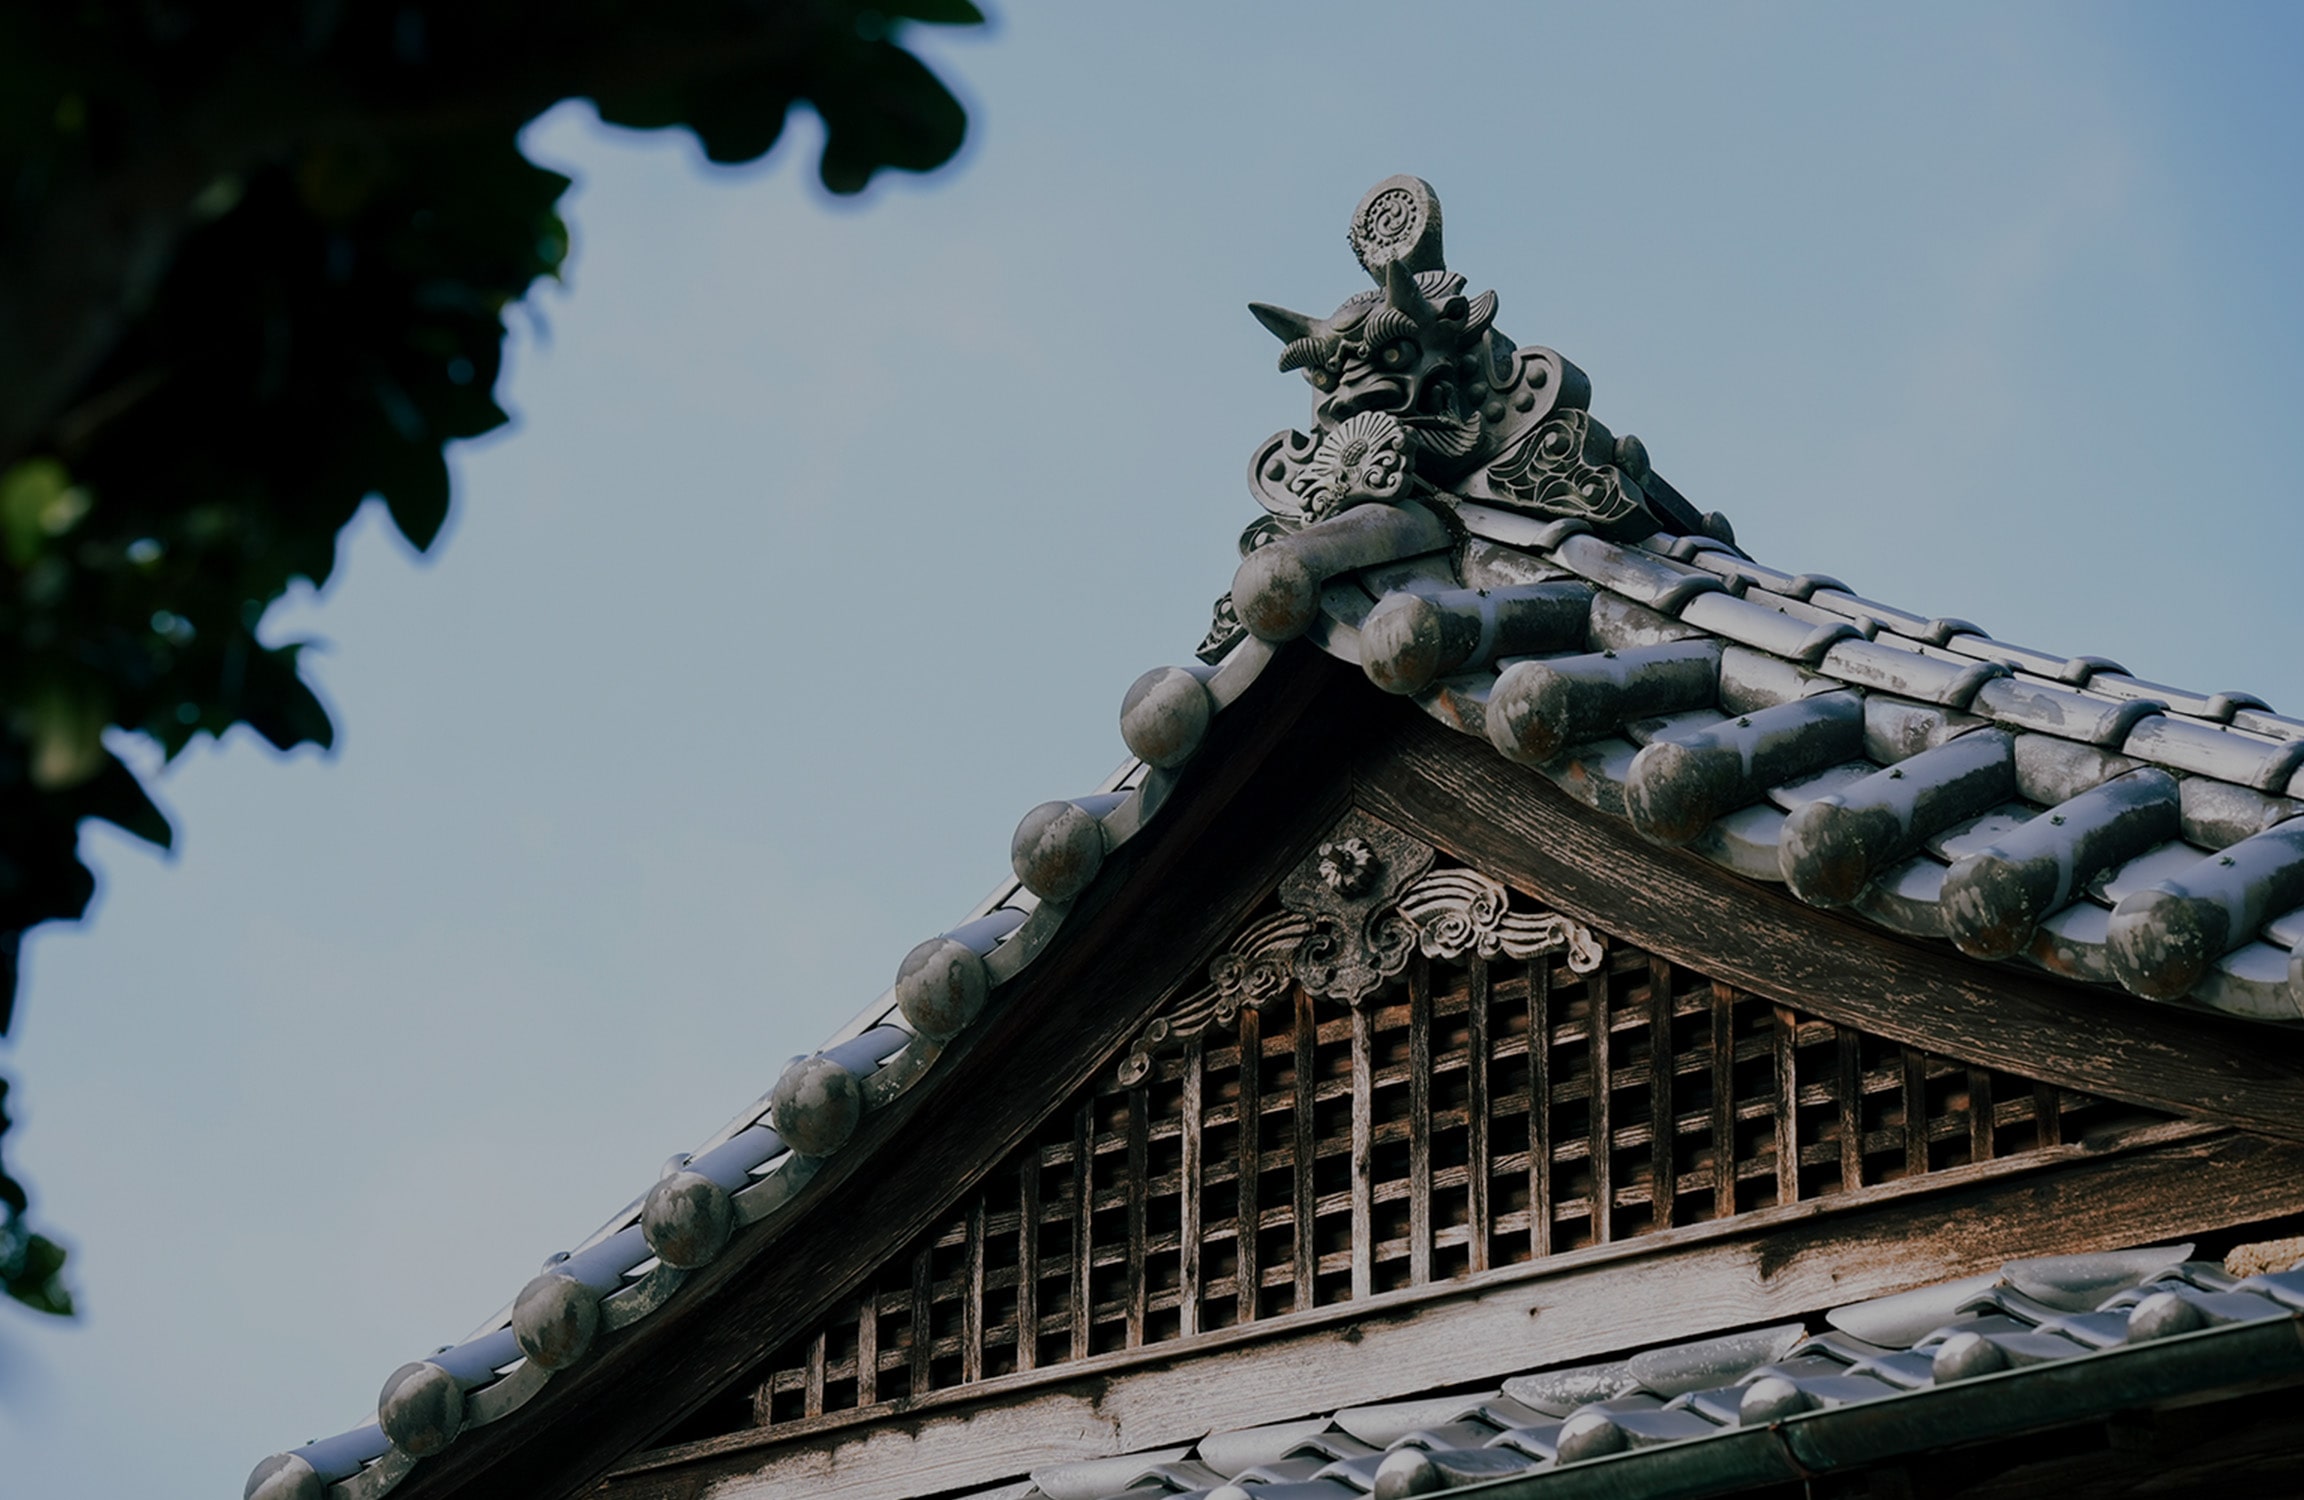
1798, 635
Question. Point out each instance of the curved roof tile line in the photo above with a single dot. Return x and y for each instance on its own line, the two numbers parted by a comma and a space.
2139, 1325
2053, 811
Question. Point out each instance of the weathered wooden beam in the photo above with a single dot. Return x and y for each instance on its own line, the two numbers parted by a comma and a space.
1509, 821
1723, 1008
1915, 1064
1678, 1284
1850, 1087
1664, 1139
1980, 1115
1188, 1250
1028, 1262
2047, 1115
1306, 1147
1600, 1036
971, 1297
1139, 1188
1540, 1145
868, 1346
1476, 1122
1363, 1151
922, 1319
1419, 1121
1249, 1154
1787, 1109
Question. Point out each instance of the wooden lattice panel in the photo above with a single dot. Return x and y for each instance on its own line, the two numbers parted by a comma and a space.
1222, 1188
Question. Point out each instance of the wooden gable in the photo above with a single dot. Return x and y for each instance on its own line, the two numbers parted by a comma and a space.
1302, 1156
1447, 1181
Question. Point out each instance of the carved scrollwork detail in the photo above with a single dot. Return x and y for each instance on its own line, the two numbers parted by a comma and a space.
1255, 969
1568, 467
1276, 472
1456, 912
1348, 949
1262, 532
1340, 964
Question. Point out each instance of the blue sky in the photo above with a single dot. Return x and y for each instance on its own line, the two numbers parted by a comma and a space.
830, 534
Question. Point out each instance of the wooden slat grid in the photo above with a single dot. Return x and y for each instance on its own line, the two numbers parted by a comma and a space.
1473, 1115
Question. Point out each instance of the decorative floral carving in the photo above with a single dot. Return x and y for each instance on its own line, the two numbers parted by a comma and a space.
1360, 461
1347, 867
1444, 914
1364, 460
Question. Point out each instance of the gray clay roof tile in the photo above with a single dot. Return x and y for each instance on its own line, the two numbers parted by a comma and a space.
2075, 723
1933, 1339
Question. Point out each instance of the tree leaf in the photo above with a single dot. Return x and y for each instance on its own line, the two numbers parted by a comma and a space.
417, 495
37, 501
37, 1277
738, 120
884, 110
935, 12
279, 705
116, 796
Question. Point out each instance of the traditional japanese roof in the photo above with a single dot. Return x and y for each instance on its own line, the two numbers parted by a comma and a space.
2043, 1343
1461, 530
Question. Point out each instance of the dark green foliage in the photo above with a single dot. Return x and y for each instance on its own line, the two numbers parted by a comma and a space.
254, 264
31, 1265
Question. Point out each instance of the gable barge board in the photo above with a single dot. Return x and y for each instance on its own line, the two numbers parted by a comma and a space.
1771, 1265
1512, 823
1262, 790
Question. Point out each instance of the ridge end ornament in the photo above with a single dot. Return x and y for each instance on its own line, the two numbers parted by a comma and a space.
1420, 396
